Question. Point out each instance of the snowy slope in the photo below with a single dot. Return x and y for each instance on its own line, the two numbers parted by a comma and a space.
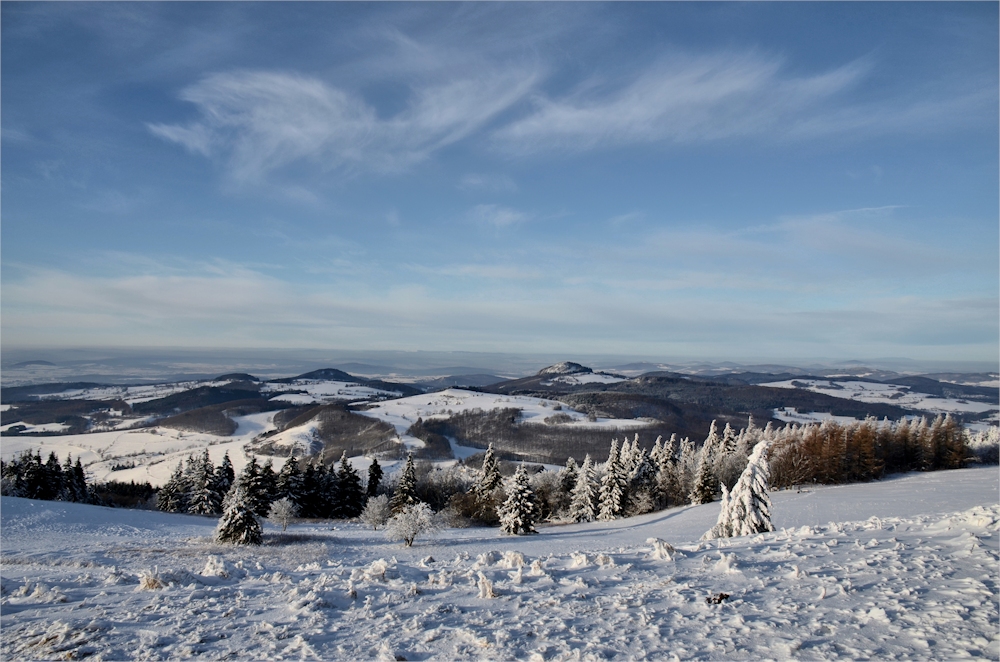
892, 394
903, 568
325, 391
155, 451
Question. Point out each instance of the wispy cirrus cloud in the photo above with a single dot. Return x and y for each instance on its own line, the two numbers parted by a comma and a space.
497, 216
698, 98
256, 122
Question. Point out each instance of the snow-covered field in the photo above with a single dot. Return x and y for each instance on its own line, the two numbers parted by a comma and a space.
154, 451
325, 391
886, 394
904, 568
402, 413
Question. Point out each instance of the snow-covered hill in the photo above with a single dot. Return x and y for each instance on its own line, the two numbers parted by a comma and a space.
904, 568
876, 392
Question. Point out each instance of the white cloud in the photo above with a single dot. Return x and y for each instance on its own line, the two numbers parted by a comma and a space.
234, 306
487, 182
259, 121
686, 99
497, 216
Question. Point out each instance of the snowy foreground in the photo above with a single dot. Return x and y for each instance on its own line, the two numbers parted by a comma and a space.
907, 567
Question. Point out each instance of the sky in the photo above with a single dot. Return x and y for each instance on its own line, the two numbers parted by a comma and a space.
763, 181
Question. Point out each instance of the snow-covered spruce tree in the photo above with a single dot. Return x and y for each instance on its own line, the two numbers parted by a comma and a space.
377, 511
519, 512
583, 506
406, 491
239, 524
282, 512
703, 490
204, 497
640, 495
487, 491
749, 503
352, 497
171, 498
723, 525
411, 520
374, 478
611, 500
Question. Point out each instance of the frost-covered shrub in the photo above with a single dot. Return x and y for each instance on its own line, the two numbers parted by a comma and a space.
984, 445
377, 511
282, 511
410, 522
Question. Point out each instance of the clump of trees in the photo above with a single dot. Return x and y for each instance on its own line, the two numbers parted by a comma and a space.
198, 487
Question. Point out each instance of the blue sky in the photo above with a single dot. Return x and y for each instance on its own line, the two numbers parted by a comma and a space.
705, 180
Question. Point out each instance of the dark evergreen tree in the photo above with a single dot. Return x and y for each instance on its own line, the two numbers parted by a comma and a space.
269, 483
224, 475
406, 491
374, 477
52, 487
78, 483
352, 497
289, 482
309, 504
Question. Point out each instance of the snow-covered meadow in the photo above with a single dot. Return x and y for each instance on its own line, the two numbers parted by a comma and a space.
905, 567
876, 392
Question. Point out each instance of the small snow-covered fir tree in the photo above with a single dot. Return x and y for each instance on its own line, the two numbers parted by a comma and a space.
412, 520
519, 512
239, 524
377, 511
612, 495
490, 478
282, 512
582, 508
747, 510
406, 492
723, 525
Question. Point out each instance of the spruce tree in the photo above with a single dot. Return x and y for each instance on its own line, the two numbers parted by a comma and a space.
750, 505
583, 506
519, 512
224, 475
704, 486
374, 477
487, 490
204, 499
172, 496
612, 495
406, 490
352, 497
490, 478
239, 524
289, 482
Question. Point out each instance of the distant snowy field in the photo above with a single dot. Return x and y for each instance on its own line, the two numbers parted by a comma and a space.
892, 394
906, 567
